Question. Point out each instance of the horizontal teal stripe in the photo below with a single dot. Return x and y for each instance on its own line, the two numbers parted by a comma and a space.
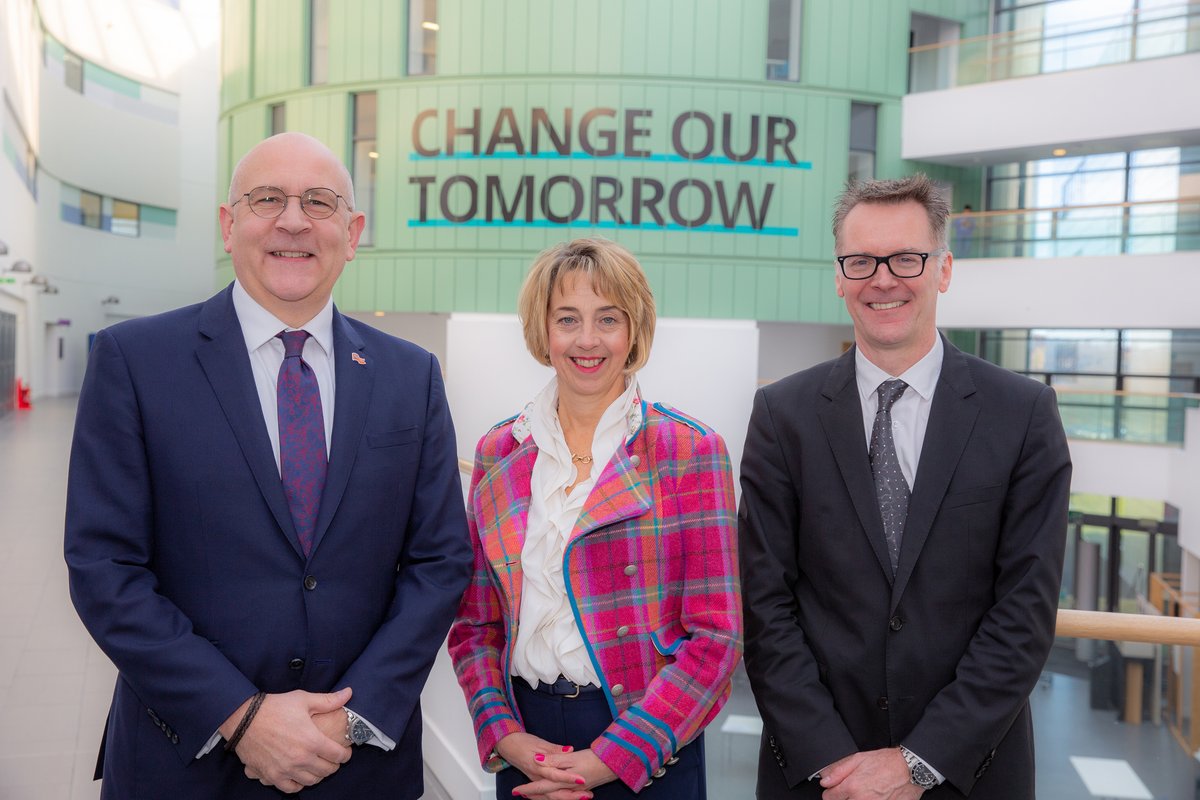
111, 80
157, 216
645, 226
669, 158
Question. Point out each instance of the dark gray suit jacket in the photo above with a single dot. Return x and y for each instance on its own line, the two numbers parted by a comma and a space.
941, 658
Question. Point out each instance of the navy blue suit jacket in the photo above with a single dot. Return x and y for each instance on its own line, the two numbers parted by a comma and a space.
185, 567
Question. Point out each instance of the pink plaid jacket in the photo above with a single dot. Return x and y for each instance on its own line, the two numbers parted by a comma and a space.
651, 572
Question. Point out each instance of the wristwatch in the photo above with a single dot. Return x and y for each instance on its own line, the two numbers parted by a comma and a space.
918, 773
357, 731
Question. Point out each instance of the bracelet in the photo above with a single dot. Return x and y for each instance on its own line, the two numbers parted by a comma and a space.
244, 725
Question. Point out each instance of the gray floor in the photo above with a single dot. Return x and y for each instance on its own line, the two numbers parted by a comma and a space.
55, 684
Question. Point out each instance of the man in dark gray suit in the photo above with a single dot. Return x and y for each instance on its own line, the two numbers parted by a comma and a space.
902, 529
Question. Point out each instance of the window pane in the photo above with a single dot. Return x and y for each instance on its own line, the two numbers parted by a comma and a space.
364, 158
318, 42
89, 208
73, 71
124, 218
278, 118
422, 37
783, 40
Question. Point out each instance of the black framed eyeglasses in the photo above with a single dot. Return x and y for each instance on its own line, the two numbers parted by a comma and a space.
270, 201
860, 266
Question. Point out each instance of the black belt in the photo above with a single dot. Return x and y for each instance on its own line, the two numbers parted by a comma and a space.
564, 687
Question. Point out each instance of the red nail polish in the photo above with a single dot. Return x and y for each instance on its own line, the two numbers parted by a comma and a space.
539, 757
580, 781
567, 748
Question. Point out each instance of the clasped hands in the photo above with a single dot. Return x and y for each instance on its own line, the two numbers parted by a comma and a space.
296, 739
558, 772
869, 775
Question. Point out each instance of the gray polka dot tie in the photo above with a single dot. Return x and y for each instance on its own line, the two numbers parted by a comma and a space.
891, 490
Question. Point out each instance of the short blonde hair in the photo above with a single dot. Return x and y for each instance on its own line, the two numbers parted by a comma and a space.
613, 272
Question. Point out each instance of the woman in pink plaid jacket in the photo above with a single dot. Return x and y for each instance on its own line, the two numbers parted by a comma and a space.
599, 633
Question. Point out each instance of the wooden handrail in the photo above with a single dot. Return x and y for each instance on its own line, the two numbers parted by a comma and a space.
1128, 627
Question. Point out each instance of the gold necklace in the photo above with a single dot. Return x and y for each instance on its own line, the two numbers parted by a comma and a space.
581, 459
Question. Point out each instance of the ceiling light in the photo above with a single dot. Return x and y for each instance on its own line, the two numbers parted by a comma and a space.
21, 266
431, 26
1058, 151
380, 313
372, 154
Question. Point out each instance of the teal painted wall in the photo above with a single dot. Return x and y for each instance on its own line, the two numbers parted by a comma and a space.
669, 57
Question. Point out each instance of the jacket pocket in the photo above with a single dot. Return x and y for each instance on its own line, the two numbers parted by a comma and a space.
393, 438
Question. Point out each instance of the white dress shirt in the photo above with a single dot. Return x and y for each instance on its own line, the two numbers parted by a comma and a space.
549, 642
260, 329
910, 416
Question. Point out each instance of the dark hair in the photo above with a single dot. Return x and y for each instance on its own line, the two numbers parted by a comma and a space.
915, 189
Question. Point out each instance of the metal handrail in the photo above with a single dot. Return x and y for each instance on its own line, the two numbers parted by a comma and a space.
1001, 212
1128, 627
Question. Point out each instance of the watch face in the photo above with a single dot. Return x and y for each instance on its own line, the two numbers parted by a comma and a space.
359, 732
921, 776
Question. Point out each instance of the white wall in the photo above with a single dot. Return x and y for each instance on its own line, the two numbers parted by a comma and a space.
706, 368
1024, 118
118, 154
787, 347
1122, 291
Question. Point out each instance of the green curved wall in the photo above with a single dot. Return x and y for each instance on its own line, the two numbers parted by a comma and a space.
628, 72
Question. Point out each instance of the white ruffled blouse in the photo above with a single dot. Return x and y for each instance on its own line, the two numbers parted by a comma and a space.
548, 640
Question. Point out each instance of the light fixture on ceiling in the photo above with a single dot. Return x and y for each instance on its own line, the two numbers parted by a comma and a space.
380, 313
49, 289
431, 26
1058, 151
372, 154
111, 300
3, 249
21, 266
38, 280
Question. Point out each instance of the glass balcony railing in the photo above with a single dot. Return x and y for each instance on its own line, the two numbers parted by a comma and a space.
1137, 417
1060, 43
1157, 226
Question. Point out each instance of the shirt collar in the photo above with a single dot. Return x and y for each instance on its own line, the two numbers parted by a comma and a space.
260, 326
544, 408
921, 377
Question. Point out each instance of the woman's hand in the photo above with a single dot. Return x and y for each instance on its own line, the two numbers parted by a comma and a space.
532, 755
568, 776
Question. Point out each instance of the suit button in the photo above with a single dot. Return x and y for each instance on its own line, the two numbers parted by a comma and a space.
296, 663
310, 583
623, 630
631, 570
882, 703
635, 460
618, 689
895, 623
174, 738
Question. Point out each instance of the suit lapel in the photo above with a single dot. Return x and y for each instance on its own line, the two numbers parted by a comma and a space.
226, 364
355, 379
502, 497
843, 423
951, 419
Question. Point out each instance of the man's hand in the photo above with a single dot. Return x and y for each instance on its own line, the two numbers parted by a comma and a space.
284, 747
871, 775
563, 775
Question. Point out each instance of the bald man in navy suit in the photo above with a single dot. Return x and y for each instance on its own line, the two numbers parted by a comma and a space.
265, 529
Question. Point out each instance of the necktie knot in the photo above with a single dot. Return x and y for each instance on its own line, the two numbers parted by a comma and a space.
889, 392
293, 342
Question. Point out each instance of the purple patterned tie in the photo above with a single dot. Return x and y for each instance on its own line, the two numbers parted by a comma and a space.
302, 459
